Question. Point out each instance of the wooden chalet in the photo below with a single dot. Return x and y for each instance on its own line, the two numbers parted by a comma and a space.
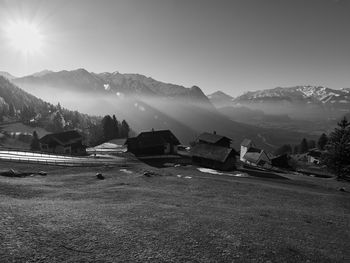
162, 142
68, 142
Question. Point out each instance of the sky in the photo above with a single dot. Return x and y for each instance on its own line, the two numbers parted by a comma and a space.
229, 45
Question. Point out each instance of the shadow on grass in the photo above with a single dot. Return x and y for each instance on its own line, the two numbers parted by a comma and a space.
262, 174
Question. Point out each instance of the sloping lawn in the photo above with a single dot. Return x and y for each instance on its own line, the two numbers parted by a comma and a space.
70, 216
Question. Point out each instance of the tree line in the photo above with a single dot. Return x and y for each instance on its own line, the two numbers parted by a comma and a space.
335, 149
108, 128
304, 146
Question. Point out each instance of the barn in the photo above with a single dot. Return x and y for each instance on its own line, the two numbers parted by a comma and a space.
213, 156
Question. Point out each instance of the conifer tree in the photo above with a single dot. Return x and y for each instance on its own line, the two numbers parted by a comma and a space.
337, 156
35, 144
108, 127
322, 141
303, 146
125, 129
11, 110
116, 131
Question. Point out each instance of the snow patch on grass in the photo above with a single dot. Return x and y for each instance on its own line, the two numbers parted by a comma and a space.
212, 171
126, 171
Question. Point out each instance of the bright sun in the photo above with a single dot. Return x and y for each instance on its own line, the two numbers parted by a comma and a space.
24, 37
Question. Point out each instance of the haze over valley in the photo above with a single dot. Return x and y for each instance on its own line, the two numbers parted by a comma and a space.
147, 103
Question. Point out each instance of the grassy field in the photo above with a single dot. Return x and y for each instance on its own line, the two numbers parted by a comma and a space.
175, 215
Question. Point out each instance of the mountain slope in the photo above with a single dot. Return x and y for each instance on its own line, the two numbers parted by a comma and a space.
114, 83
18, 105
7, 75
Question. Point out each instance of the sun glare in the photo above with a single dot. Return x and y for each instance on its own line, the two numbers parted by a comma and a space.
24, 37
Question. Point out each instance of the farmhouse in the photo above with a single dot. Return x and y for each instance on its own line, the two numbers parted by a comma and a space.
212, 156
153, 143
245, 145
68, 142
253, 156
214, 139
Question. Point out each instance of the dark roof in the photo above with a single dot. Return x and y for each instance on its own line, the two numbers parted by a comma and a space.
253, 155
212, 152
165, 135
254, 150
211, 137
246, 142
63, 138
154, 138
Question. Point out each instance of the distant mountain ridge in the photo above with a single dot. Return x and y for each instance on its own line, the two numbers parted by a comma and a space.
298, 94
116, 83
304, 102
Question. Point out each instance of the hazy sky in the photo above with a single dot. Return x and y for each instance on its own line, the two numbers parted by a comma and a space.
234, 45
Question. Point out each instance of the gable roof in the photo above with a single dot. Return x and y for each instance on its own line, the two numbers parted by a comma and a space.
211, 137
63, 138
153, 138
254, 155
212, 152
161, 135
246, 142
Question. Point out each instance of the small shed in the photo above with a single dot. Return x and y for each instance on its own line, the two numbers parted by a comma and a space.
213, 156
281, 161
314, 156
153, 143
68, 142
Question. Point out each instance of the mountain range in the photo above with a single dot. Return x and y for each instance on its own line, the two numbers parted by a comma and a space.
301, 102
147, 103
310, 109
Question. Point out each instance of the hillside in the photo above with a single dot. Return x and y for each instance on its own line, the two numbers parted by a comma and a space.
17, 105
7, 75
178, 215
